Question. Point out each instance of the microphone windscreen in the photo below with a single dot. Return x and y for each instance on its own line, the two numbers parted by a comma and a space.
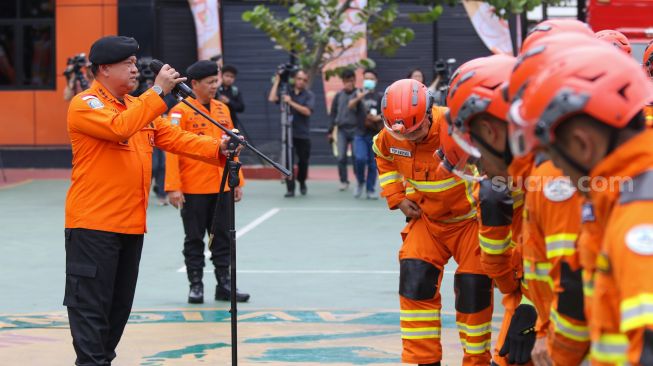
156, 66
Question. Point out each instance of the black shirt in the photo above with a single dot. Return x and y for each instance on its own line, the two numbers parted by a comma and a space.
300, 122
235, 104
372, 105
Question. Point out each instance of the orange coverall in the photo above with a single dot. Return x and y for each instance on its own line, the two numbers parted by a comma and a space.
552, 221
447, 228
189, 175
623, 293
109, 140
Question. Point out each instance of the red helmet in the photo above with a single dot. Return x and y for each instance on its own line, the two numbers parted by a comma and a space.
474, 89
616, 39
406, 104
647, 60
554, 26
612, 91
453, 158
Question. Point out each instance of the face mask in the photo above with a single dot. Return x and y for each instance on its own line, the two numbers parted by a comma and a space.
369, 84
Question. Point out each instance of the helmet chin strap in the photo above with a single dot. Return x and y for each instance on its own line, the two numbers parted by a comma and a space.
612, 144
506, 155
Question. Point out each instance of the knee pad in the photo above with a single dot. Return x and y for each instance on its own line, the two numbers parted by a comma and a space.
473, 292
418, 279
571, 300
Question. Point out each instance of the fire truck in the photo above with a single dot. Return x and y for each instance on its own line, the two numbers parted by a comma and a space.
633, 18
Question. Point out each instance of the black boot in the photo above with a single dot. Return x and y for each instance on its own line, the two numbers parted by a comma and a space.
223, 289
196, 293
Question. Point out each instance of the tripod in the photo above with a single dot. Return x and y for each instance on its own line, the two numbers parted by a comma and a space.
286, 137
230, 176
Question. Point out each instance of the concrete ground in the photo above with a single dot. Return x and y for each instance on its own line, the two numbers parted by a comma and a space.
322, 271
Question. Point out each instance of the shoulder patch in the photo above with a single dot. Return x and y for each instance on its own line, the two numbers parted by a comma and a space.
559, 189
93, 101
400, 152
640, 239
174, 118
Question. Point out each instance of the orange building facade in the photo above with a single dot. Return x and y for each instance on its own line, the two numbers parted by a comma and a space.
37, 118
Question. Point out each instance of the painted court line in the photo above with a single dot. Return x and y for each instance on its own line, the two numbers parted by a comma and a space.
247, 228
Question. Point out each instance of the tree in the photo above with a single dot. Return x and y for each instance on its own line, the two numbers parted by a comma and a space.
312, 32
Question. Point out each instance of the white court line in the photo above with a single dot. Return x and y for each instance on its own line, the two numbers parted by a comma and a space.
318, 271
249, 227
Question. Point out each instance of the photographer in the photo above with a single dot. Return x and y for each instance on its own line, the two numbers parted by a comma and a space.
440, 83
78, 76
301, 102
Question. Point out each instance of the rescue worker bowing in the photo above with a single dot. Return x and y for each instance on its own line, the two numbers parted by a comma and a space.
112, 136
193, 186
443, 225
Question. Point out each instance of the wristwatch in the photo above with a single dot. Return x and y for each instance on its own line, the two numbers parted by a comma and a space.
157, 89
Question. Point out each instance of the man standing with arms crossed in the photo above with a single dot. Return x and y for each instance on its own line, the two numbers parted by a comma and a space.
193, 186
112, 136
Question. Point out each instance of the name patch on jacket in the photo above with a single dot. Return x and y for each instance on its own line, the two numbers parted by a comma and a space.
174, 118
400, 152
92, 101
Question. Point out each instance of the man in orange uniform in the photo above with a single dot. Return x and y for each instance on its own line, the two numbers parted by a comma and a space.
193, 186
475, 99
443, 224
112, 136
589, 117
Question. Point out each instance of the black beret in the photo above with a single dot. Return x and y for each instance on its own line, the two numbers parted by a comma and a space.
202, 69
112, 49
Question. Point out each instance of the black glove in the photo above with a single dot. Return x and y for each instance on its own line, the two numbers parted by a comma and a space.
521, 335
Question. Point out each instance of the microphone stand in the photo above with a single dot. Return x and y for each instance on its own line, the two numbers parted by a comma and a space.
230, 176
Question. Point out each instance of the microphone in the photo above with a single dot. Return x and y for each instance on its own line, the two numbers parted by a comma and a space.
180, 89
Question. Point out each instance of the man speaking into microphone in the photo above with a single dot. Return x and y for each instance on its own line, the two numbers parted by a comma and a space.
112, 136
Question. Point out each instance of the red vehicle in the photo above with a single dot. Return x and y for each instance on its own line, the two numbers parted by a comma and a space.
633, 18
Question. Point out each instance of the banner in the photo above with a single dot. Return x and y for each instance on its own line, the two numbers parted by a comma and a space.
357, 52
493, 30
207, 27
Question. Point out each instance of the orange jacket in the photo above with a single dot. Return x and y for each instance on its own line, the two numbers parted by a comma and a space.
648, 113
112, 157
189, 175
623, 294
408, 169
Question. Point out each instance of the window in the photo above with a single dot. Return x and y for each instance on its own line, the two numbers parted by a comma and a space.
27, 44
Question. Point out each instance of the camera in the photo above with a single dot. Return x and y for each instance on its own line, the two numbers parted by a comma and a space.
75, 64
144, 70
286, 71
443, 68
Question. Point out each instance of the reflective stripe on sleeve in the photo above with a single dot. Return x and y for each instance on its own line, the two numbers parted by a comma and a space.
495, 246
378, 152
560, 245
389, 178
435, 186
541, 272
610, 348
637, 312
563, 326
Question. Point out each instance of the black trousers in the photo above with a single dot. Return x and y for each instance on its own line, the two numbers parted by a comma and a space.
302, 149
197, 215
101, 275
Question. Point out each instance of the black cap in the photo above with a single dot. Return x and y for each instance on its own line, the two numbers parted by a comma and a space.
202, 69
112, 49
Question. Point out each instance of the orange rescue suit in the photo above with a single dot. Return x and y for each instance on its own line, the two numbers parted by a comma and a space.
623, 293
552, 220
189, 175
112, 144
447, 228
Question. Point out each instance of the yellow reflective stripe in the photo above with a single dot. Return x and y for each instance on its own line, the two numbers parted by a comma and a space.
389, 177
435, 186
469, 192
495, 246
460, 218
420, 333
474, 330
610, 348
588, 287
517, 198
541, 272
476, 348
419, 315
560, 245
572, 331
410, 190
636, 312
377, 151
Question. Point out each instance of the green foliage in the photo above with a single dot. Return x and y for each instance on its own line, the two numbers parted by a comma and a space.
311, 29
